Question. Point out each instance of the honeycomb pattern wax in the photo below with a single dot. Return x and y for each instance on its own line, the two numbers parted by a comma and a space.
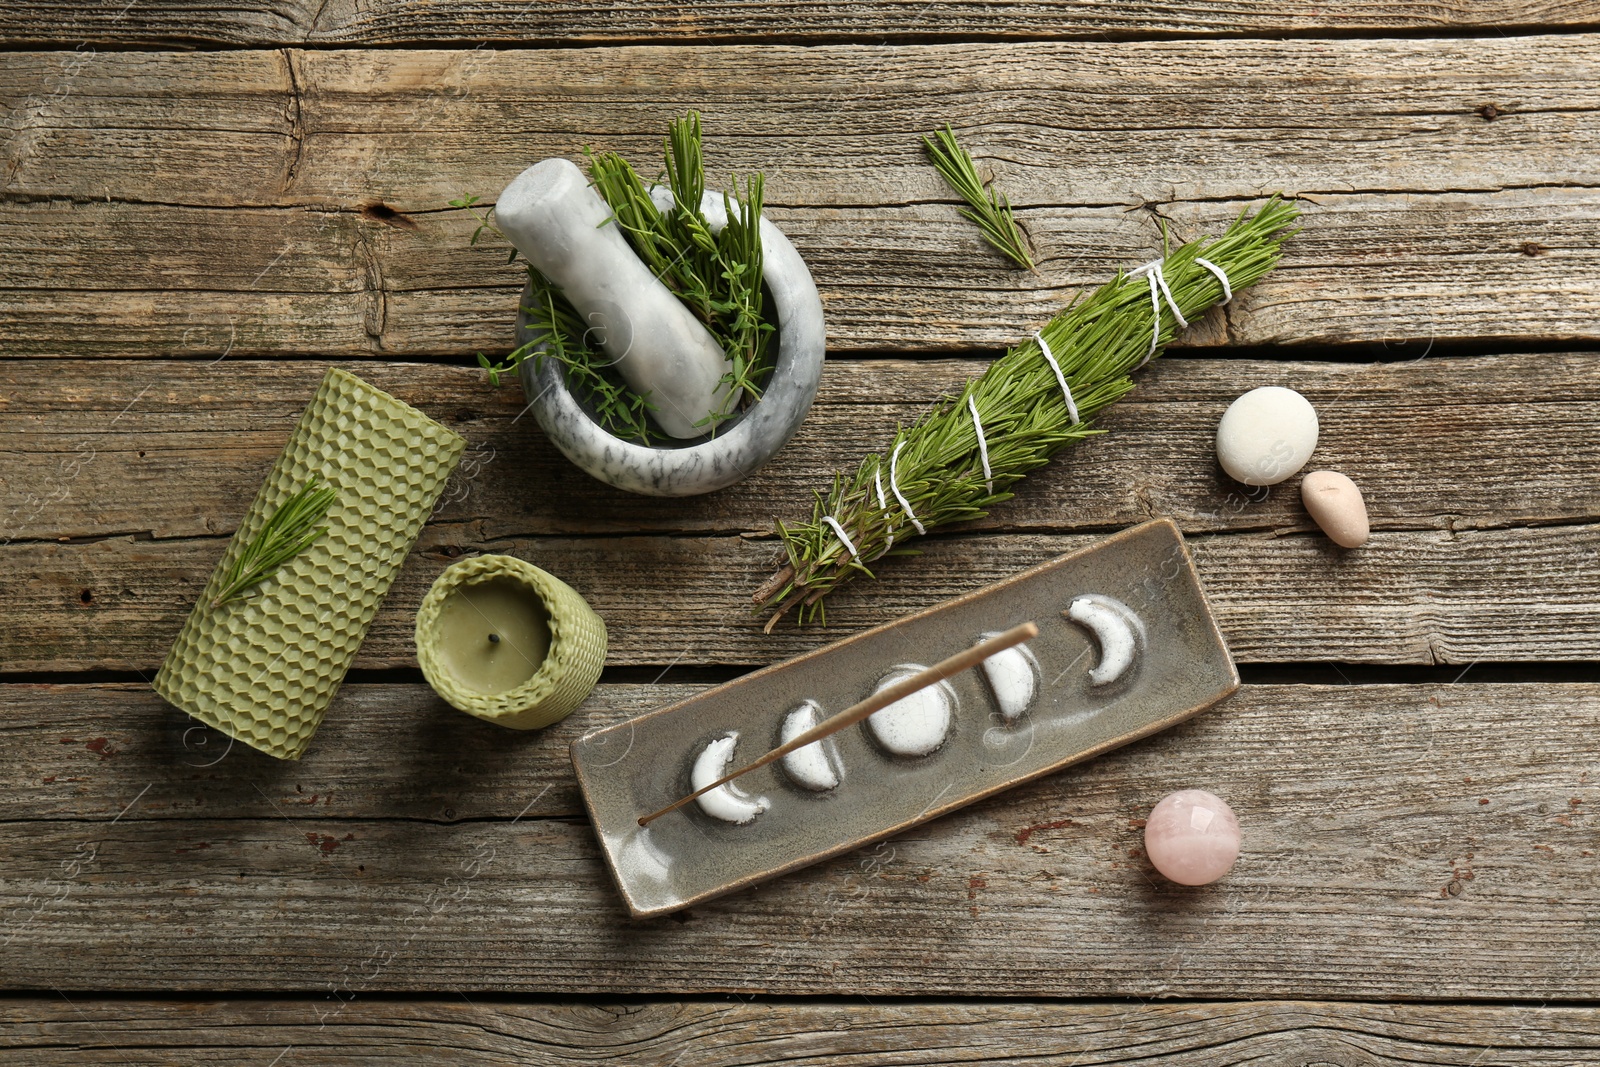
570, 668
264, 668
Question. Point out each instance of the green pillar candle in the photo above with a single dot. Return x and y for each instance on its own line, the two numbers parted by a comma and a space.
503, 640
264, 668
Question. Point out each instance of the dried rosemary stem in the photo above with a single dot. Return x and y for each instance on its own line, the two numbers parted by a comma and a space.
936, 464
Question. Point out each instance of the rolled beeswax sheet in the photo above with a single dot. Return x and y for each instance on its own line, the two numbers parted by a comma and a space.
264, 668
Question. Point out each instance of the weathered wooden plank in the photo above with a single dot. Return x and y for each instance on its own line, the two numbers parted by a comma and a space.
1421, 208
657, 1033
1454, 859
190, 24
833, 126
1406, 597
159, 449
81, 751
160, 279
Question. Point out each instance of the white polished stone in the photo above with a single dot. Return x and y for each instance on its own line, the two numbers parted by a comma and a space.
1266, 435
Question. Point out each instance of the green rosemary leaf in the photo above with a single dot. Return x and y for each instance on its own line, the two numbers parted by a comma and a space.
991, 209
932, 471
289, 531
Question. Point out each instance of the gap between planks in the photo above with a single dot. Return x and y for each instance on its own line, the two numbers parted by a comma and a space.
832, 1031
509, 23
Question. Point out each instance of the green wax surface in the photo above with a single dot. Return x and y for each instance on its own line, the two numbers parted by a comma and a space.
510, 612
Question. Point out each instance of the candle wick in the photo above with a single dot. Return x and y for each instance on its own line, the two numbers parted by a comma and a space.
494, 639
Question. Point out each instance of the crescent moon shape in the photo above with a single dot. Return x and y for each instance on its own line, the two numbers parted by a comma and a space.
724, 802
1116, 629
1013, 677
809, 767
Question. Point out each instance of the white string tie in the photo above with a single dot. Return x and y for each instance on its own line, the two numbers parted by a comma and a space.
1158, 289
895, 488
1222, 276
883, 504
983, 448
1050, 358
844, 538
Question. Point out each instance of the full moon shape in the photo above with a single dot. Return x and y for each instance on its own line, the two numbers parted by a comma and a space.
914, 725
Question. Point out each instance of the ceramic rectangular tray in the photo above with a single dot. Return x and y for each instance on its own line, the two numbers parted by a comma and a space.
636, 767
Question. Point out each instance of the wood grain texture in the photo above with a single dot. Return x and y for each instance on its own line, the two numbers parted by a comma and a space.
1424, 213
383, 752
190, 24
1404, 842
165, 450
1454, 859
145, 475
1406, 597
657, 1033
202, 281
1059, 123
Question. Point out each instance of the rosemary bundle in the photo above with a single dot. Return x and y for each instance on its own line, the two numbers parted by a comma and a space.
1030, 403
717, 276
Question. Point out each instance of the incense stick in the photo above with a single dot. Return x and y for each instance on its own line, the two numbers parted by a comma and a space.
945, 668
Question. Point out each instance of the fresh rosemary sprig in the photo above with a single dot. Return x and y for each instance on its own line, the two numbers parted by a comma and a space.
991, 209
716, 275
289, 531
936, 464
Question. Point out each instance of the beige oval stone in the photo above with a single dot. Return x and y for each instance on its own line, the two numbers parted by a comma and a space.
1336, 504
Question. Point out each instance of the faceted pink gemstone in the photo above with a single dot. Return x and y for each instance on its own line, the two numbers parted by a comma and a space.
1192, 837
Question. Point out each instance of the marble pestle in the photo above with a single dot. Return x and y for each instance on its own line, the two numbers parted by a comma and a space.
560, 225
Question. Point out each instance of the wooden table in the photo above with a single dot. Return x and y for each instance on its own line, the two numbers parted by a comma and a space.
206, 207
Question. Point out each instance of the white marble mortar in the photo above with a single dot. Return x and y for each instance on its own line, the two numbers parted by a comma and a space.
739, 445
564, 228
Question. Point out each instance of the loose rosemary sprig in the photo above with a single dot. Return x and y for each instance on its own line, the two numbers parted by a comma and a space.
289, 531
936, 463
716, 275
991, 209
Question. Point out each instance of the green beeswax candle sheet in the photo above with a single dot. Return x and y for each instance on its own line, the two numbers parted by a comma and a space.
264, 668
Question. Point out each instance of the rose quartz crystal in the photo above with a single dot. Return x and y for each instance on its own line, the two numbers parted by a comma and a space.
1192, 837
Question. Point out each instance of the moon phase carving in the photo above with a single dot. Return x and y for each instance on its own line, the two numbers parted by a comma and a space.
726, 802
1116, 629
1013, 677
813, 767
917, 726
